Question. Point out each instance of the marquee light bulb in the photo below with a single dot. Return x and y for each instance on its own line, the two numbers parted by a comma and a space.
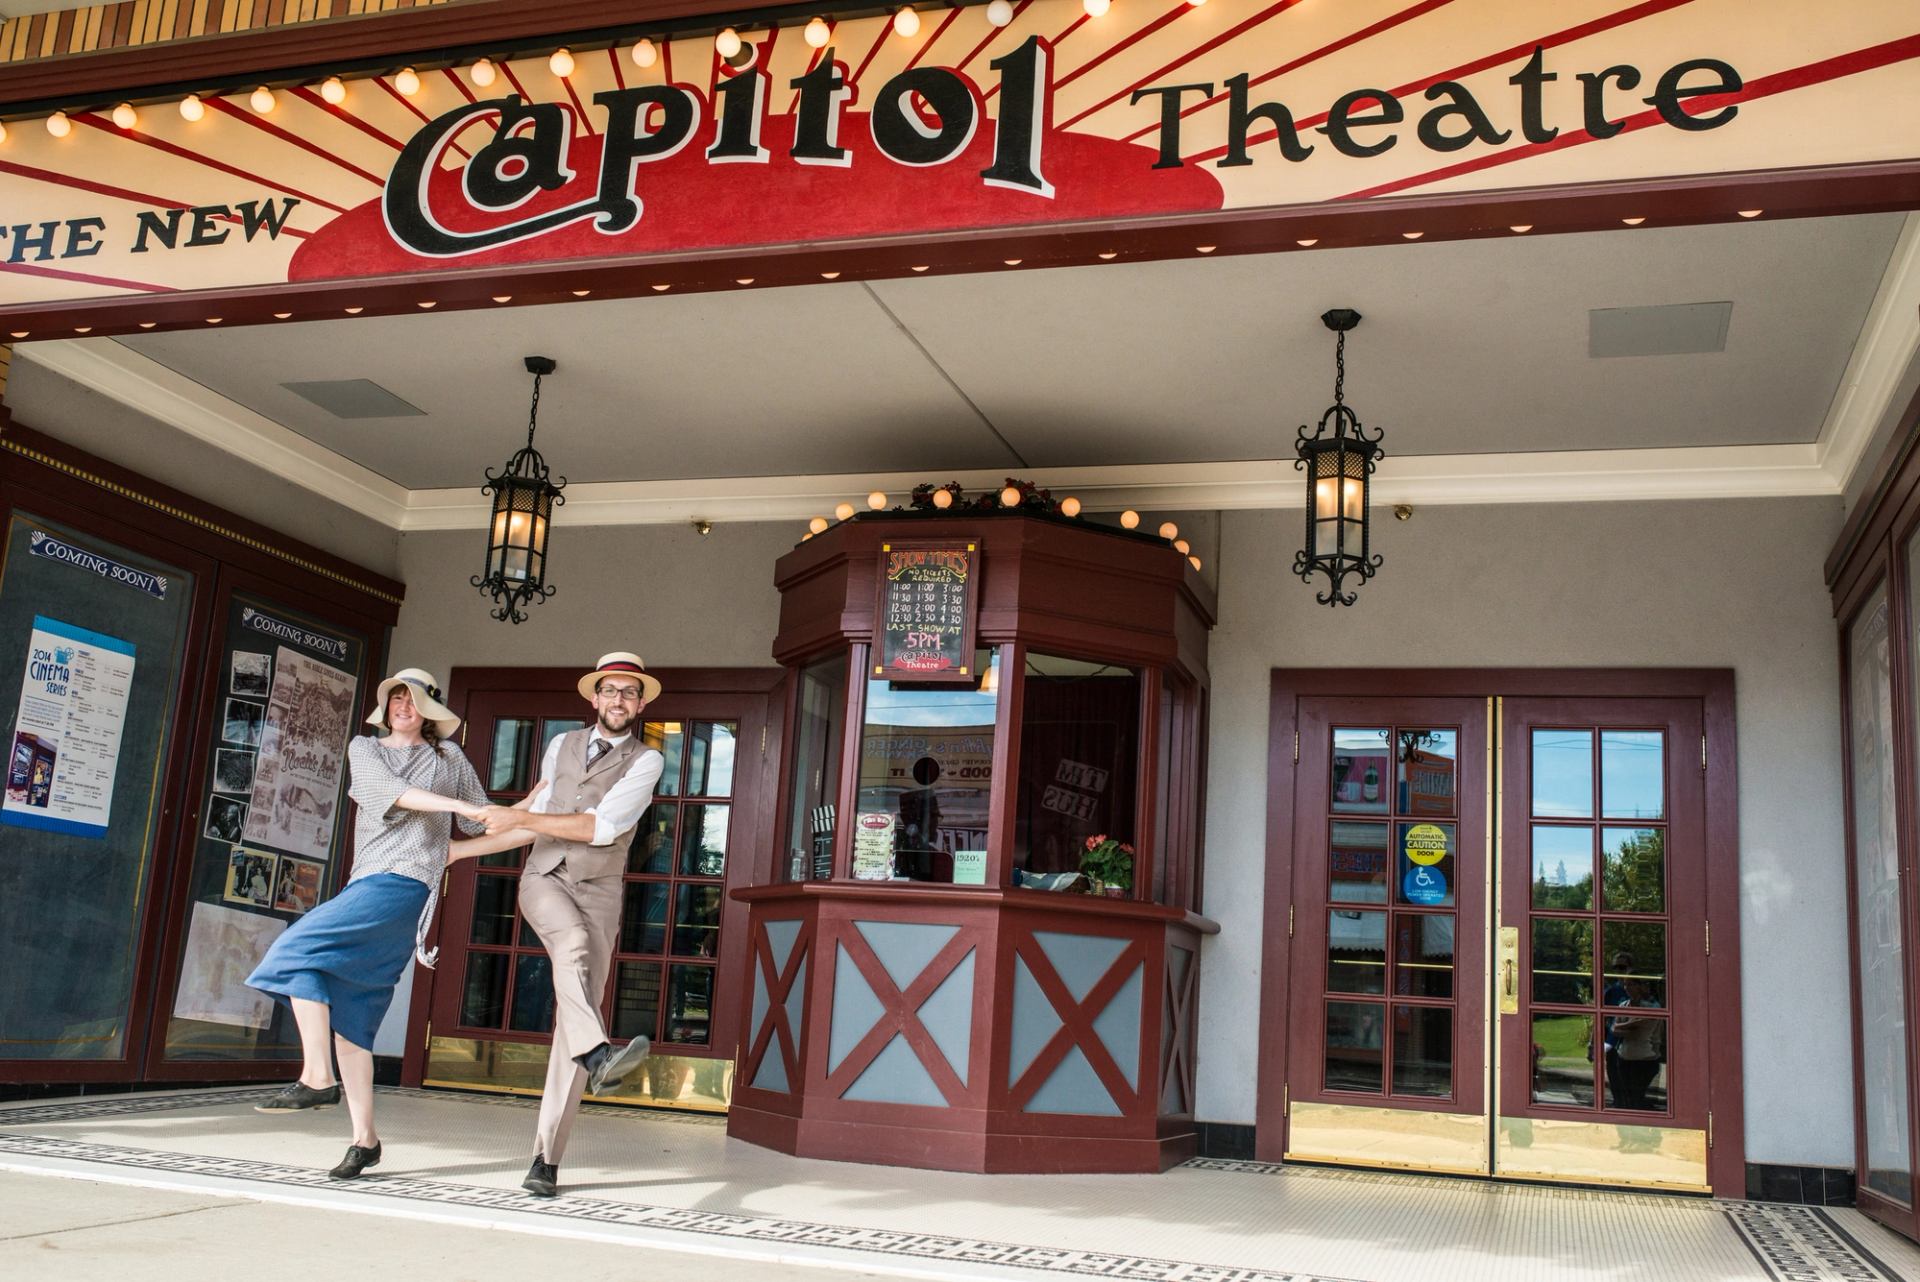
261, 100
876, 500
1130, 518
484, 72
1000, 13
906, 22
1096, 8
727, 43
1070, 506
1168, 530
1195, 561
191, 108
334, 90
58, 125
125, 117
407, 81
817, 524
818, 32
1180, 546
1196, 3
1010, 497
844, 511
943, 498
3, 131
644, 54
561, 63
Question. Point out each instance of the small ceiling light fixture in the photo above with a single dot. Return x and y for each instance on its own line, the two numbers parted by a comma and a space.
844, 511
262, 100
1204, 249
829, 275
276, 316
1521, 229
1411, 235
743, 280
561, 62
1750, 213
1308, 243
1338, 458
125, 117
727, 43
334, 90
703, 528
407, 81
906, 21
1069, 506
427, 304
191, 108
524, 496
58, 125
818, 32
581, 293
659, 289
644, 54
1633, 222
1000, 13
876, 500
503, 298
1096, 8
355, 311
922, 267
1130, 518
484, 73
1108, 255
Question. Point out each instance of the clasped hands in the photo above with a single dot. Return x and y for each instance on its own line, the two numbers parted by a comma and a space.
499, 819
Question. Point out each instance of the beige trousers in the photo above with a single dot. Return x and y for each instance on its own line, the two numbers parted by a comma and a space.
577, 922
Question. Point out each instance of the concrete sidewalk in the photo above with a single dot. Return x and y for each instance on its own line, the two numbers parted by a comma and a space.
643, 1186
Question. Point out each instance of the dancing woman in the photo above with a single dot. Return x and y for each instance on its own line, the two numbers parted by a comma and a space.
337, 966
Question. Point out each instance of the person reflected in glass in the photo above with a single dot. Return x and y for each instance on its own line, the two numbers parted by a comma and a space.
1641, 1049
1614, 994
917, 854
338, 965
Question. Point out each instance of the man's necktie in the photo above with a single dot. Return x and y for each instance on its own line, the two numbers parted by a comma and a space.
596, 749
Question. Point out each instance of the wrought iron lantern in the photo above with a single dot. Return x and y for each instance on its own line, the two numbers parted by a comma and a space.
1338, 458
524, 497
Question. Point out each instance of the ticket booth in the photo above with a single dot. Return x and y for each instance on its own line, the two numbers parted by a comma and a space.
981, 951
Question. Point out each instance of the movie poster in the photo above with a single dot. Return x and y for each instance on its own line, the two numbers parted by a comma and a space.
65, 748
223, 947
302, 750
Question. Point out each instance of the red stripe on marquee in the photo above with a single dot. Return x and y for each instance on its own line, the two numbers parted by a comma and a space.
1871, 58
59, 273
886, 29
506, 69
921, 52
579, 109
309, 96
992, 35
1179, 8
613, 60
1365, 33
1558, 38
407, 102
221, 104
459, 84
1072, 27
105, 126
1225, 36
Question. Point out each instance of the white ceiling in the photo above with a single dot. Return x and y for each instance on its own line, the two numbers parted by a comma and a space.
1475, 347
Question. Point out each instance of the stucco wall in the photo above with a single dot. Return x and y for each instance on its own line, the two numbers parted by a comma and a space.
1726, 584
63, 409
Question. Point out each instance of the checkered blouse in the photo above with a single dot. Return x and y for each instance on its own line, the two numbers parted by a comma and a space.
412, 843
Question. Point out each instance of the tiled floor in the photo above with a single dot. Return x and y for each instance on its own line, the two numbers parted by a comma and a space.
677, 1181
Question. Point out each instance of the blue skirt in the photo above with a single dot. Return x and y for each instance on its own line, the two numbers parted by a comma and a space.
348, 953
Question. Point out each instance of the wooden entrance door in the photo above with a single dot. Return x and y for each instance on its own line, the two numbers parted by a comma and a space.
1498, 953
680, 956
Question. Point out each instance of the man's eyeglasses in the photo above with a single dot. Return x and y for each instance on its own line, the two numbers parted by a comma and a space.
626, 694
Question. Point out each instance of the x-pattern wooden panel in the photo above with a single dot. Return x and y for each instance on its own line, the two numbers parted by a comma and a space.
900, 1013
1076, 1027
1177, 1054
779, 984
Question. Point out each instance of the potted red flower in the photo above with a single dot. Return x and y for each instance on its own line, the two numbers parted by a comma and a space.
1107, 864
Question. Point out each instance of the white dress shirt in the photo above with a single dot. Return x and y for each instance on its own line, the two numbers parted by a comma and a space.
624, 803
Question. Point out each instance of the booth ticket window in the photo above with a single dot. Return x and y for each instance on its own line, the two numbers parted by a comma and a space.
926, 780
1079, 761
820, 705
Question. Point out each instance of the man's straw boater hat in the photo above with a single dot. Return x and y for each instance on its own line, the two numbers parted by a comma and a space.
621, 663
426, 697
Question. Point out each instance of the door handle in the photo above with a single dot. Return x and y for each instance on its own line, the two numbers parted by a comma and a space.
1509, 970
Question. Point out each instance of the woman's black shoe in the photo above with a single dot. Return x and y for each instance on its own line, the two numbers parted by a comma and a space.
297, 1096
357, 1160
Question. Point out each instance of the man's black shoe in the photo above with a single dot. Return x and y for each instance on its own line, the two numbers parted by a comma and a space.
606, 1073
543, 1178
357, 1160
298, 1096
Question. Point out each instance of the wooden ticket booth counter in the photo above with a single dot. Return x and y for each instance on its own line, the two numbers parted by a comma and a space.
977, 697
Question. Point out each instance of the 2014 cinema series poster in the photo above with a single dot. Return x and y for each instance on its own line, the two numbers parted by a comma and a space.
65, 748
295, 801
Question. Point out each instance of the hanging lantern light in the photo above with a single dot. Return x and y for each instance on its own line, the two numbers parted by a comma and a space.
523, 501
1338, 458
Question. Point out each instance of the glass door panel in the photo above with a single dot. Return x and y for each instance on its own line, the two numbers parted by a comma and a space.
1390, 906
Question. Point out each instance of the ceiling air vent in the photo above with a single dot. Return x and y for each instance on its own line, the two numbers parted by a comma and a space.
354, 398
1678, 329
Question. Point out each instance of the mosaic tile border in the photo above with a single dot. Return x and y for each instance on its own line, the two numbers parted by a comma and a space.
1492, 1188
1805, 1244
82, 1108
728, 1226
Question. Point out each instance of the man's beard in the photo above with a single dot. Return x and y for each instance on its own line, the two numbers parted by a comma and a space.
623, 727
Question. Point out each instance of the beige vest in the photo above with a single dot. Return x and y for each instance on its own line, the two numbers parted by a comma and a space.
576, 788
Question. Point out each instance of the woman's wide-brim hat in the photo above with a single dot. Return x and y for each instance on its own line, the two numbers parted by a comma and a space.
621, 663
426, 697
